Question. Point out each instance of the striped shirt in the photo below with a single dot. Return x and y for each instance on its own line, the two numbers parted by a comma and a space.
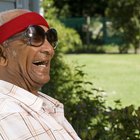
25, 116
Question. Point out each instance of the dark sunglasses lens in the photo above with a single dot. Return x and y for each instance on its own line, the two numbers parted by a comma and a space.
52, 37
36, 35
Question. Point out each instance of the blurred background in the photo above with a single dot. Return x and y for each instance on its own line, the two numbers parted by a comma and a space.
96, 69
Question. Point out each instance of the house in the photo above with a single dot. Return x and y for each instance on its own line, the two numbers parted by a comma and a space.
32, 5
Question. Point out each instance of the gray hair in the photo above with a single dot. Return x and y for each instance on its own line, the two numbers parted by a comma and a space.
5, 16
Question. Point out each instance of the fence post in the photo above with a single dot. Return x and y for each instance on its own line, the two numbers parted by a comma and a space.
87, 31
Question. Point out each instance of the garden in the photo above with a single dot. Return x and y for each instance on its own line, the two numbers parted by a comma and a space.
98, 85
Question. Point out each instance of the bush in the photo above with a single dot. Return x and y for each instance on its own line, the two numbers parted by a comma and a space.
67, 84
122, 124
69, 39
84, 106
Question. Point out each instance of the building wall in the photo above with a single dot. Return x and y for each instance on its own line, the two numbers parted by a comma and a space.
32, 5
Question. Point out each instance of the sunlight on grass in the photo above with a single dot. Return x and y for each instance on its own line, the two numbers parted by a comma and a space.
118, 75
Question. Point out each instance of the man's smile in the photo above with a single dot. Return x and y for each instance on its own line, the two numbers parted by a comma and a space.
42, 63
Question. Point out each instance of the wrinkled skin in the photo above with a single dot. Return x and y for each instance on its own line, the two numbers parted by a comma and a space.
17, 64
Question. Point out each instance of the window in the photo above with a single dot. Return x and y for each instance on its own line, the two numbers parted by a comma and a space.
19, 4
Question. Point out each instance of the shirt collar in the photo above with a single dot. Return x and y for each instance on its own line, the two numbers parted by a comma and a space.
21, 95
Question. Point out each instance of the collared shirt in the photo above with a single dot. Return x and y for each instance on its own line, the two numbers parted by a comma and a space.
24, 116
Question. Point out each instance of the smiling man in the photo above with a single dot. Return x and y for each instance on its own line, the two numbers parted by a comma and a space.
27, 46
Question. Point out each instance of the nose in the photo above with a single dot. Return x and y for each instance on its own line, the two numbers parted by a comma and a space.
47, 49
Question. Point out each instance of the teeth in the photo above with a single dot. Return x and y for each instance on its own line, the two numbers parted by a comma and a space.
43, 65
40, 63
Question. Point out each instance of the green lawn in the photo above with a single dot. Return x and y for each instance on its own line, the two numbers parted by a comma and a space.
118, 75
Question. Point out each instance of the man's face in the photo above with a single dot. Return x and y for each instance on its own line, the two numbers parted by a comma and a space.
29, 64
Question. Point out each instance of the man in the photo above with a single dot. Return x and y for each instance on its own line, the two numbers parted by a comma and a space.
26, 48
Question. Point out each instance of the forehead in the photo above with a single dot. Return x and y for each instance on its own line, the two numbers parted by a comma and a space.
44, 27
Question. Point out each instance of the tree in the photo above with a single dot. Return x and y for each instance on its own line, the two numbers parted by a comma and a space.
78, 8
68, 83
85, 107
125, 17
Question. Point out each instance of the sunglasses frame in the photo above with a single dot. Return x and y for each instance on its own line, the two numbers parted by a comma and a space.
28, 37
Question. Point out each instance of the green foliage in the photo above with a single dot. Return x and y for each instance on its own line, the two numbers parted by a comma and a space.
110, 72
69, 86
69, 39
125, 16
84, 106
77, 8
49, 9
118, 124
123, 123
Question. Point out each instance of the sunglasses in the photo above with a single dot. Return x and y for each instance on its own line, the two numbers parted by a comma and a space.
36, 35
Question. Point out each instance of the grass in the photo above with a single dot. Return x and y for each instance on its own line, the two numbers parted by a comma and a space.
118, 75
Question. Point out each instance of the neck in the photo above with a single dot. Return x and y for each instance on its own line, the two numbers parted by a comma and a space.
21, 82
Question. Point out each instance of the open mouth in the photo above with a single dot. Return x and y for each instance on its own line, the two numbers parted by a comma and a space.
41, 63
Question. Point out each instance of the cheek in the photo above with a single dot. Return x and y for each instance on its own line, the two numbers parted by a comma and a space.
13, 54
17, 57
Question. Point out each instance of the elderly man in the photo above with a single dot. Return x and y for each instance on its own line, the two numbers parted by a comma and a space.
27, 46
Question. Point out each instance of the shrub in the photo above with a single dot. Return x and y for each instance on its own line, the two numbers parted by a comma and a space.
84, 106
67, 84
69, 39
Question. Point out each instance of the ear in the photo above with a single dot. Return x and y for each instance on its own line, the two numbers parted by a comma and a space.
3, 60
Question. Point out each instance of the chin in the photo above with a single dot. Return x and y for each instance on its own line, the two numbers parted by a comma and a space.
43, 81
39, 79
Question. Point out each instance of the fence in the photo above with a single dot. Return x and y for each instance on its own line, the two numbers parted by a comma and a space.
94, 30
